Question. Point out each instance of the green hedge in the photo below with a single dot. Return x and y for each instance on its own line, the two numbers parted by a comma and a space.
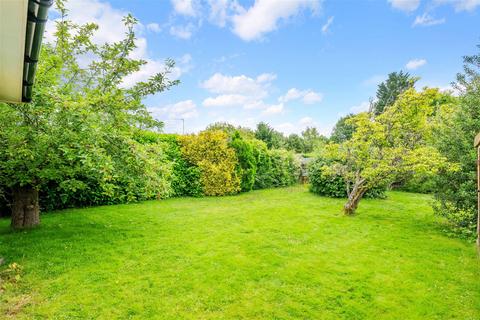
151, 165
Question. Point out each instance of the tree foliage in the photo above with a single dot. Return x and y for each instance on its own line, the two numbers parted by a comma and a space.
343, 129
270, 136
211, 152
397, 142
389, 90
456, 196
75, 139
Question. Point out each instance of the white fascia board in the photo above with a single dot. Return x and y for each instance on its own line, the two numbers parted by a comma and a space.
13, 24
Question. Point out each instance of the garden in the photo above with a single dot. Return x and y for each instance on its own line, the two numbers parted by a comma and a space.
104, 215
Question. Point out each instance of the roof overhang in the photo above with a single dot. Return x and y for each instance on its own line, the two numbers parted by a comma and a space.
22, 23
476, 143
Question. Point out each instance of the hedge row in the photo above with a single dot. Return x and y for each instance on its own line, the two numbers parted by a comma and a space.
154, 166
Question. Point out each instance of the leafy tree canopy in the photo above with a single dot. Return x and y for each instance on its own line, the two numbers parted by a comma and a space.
389, 90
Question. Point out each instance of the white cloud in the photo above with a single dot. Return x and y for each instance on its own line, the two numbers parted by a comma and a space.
307, 122
415, 64
427, 20
186, 109
327, 25
263, 17
273, 109
235, 91
461, 5
226, 100
154, 27
185, 7
182, 32
312, 97
108, 19
266, 77
286, 128
307, 96
362, 107
405, 5
221, 11
111, 29
223, 84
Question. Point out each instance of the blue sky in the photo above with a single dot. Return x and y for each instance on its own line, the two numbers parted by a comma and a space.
292, 63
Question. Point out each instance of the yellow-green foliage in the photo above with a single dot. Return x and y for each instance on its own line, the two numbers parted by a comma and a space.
209, 150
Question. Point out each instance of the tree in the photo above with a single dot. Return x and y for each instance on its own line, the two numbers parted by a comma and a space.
295, 143
247, 166
456, 195
343, 129
77, 132
397, 142
312, 139
389, 90
270, 136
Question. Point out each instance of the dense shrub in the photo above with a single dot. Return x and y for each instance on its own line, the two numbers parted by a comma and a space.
322, 182
217, 161
263, 177
247, 166
285, 169
417, 183
137, 172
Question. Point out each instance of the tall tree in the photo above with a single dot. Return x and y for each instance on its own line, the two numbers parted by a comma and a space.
456, 195
295, 143
397, 142
270, 136
312, 139
389, 90
343, 129
80, 123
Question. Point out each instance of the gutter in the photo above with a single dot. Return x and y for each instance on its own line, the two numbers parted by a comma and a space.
36, 20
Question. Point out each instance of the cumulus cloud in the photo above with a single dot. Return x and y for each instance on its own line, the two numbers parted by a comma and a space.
186, 109
427, 20
273, 109
111, 29
183, 32
307, 96
264, 16
226, 100
405, 5
460, 5
185, 7
415, 64
327, 25
224, 84
241, 91
154, 27
221, 11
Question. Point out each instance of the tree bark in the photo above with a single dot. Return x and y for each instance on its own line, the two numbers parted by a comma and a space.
25, 208
354, 198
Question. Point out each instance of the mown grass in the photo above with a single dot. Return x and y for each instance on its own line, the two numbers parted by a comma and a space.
270, 254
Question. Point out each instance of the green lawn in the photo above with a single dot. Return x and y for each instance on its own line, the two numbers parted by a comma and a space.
271, 254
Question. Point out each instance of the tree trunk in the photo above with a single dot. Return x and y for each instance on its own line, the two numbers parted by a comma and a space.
25, 208
354, 199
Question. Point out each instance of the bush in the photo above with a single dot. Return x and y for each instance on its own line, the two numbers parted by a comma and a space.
247, 166
136, 172
217, 161
185, 175
286, 168
263, 177
325, 184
